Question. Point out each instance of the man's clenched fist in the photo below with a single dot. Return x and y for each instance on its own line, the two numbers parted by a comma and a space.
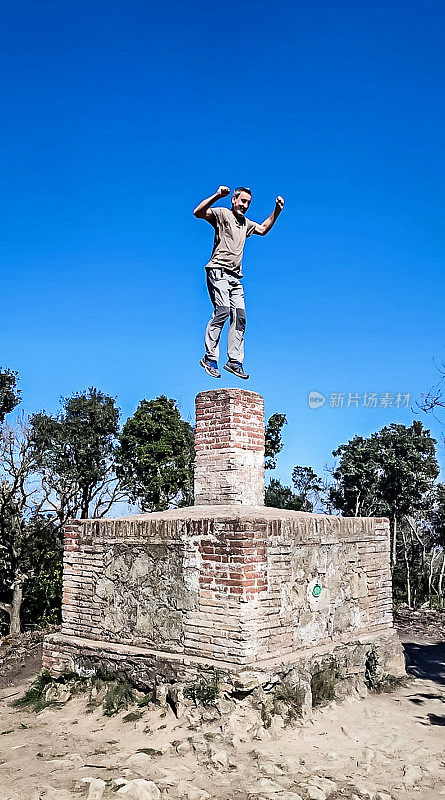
279, 202
223, 191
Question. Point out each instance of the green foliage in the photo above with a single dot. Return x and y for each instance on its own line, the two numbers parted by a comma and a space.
203, 691
53, 469
279, 496
307, 484
323, 682
56, 468
287, 701
292, 696
392, 474
155, 456
34, 697
273, 443
357, 477
42, 560
73, 451
436, 515
387, 474
32, 549
147, 699
119, 694
9, 393
120, 691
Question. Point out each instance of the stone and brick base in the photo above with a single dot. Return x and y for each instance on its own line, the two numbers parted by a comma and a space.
226, 585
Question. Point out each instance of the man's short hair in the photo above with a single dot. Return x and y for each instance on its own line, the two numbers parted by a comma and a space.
240, 189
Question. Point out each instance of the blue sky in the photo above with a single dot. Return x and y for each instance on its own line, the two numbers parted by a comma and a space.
118, 118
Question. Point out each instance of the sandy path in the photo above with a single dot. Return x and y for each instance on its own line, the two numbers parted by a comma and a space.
392, 744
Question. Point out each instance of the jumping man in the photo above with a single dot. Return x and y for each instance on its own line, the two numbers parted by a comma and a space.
224, 273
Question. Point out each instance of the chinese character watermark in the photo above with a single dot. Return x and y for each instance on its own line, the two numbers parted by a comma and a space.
355, 400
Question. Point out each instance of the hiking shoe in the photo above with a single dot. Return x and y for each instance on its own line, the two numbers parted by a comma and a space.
211, 367
236, 368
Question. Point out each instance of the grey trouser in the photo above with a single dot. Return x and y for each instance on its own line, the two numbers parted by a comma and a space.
227, 295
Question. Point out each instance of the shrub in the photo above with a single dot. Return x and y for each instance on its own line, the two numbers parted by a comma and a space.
292, 696
203, 691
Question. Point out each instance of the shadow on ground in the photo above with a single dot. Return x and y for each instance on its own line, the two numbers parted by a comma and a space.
426, 661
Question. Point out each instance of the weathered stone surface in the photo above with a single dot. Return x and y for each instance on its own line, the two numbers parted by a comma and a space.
221, 757
96, 788
57, 693
139, 789
176, 697
290, 796
314, 793
247, 680
140, 763
323, 784
267, 787
412, 774
142, 593
183, 748
189, 792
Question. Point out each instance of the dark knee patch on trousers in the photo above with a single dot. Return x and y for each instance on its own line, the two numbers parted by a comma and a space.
220, 315
240, 319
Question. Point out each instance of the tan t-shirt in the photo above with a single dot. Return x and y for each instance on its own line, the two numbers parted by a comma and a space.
230, 235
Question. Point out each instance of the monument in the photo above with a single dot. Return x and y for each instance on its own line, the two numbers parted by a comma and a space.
227, 585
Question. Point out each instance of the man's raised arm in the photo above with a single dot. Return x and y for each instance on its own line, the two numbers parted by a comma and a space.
265, 226
203, 210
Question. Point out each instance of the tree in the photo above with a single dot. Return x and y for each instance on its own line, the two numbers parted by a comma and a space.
355, 493
389, 474
433, 402
42, 561
74, 453
308, 488
27, 539
408, 468
436, 575
279, 496
155, 456
273, 443
435, 398
9, 393
52, 468
437, 514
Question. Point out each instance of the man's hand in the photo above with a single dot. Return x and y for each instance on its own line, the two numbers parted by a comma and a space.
265, 226
203, 210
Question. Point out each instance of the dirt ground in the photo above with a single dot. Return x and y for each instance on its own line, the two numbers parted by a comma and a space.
381, 746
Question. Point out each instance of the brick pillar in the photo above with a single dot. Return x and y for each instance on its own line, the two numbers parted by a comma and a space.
229, 444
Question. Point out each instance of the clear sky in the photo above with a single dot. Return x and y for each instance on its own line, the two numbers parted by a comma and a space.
119, 117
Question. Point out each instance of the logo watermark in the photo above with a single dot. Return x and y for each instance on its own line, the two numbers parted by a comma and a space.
355, 400
316, 399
